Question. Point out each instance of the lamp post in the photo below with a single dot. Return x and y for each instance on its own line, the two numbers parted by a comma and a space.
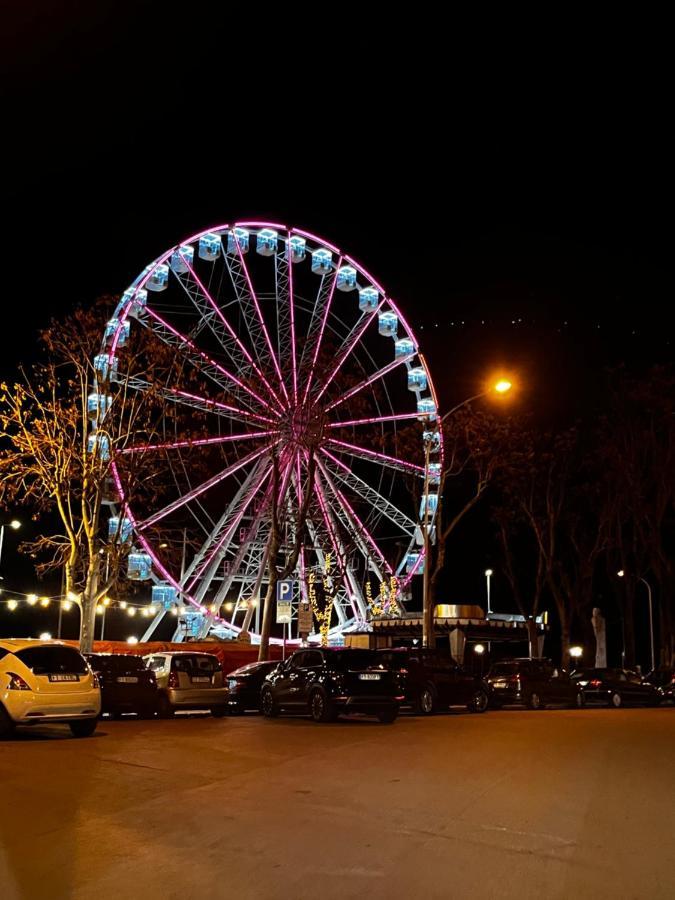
14, 524
621, 573
500, 386
488, 576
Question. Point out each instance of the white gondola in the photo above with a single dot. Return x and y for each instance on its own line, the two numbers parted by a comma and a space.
98, 406
136, 300
387, 324
433, 438
266, 242
322, 261
426, 409
139, 566
209, 247
119, 530
105, 367
346, 278
159, 278
238, 241
434, 473
368, 299
182, 259
417, 379
431, 505
122, 331
99, 444
164, 595
403, 347
412, 564
298, 247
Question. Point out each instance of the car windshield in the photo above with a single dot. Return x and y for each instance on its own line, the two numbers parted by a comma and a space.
505, 669
51, 660
352, 660
118, 663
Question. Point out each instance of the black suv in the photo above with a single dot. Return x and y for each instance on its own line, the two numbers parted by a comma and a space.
127, 685
431, 678
327, 682
533, 682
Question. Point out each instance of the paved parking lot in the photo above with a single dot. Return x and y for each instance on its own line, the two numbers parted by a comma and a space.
553, 804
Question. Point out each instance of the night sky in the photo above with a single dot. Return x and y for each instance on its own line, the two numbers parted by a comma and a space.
516, 202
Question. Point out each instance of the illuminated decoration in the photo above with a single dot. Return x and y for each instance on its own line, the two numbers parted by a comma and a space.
182, 259
31, 599
238, 240
44, 602
368, 299
322, 261
209, 247
346, 278
270, 361
66, 605
139, 566
159, 278
387, 324
12, 605
426, 409
266, 243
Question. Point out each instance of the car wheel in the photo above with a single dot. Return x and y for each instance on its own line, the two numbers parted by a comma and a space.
615, 700
218, 711
164, 708
6, 724
425, 705
83, 727
320, 707
479, 701
534, 701
267, 704
387, 716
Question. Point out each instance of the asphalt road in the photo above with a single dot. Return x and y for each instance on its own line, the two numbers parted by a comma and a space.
551, 804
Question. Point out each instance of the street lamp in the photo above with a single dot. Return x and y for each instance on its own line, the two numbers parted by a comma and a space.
621, 574
14, 524
500, 386
576, 653
488, 576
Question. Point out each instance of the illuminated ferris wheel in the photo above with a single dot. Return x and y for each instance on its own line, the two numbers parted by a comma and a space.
287, 348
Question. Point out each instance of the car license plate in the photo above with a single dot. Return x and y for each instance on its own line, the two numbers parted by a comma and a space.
127, 679
369, 676
64, 677
201, 679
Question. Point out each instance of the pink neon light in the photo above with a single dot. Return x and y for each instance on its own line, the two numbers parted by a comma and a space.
364, 384
217, 405
254, 298
342, 499
378, 457
336, 549
373, 420
205, 486
321, 330
319, 240
227, 325
178, 445
274, 225
206, 357
227, 534
290, 301
348, 349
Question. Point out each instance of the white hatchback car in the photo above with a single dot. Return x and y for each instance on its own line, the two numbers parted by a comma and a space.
46, 681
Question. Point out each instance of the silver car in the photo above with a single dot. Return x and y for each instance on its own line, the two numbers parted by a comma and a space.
188, 680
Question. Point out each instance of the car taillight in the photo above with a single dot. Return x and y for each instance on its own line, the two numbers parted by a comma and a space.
173, 680
402, 671
16, 683
595, 683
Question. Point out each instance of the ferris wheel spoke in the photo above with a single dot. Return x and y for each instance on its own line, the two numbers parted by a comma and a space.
200, 359
391, 462
248, 302
193, 401
232, 338
355, 527
283, 281
216, 544
348, 346
205, 486
368, 494
352, 588
374, 420
317, 325
249, 552
199, 442
385, 370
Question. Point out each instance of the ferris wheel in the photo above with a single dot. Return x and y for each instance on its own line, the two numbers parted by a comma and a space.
293, 360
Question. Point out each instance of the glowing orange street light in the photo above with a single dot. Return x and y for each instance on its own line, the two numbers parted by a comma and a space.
503, 385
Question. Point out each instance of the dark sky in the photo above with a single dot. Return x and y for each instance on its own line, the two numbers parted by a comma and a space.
512, 176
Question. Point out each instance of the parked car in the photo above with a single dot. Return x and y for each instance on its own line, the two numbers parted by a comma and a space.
327, 682
46, 681
188, 680
430, 679
127, 684
665, 680
532, 682
244, 686
616, 687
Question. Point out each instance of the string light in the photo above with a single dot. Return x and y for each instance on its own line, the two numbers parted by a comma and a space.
45, 601
123, 604
67, 605
12, 605
131, 611
32, 599
45, 636
132, 640
107, 601
99, 609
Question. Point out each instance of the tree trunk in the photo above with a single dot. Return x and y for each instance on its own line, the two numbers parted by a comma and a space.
88, 610
266, 627
565, 640
533, 643
629, 626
